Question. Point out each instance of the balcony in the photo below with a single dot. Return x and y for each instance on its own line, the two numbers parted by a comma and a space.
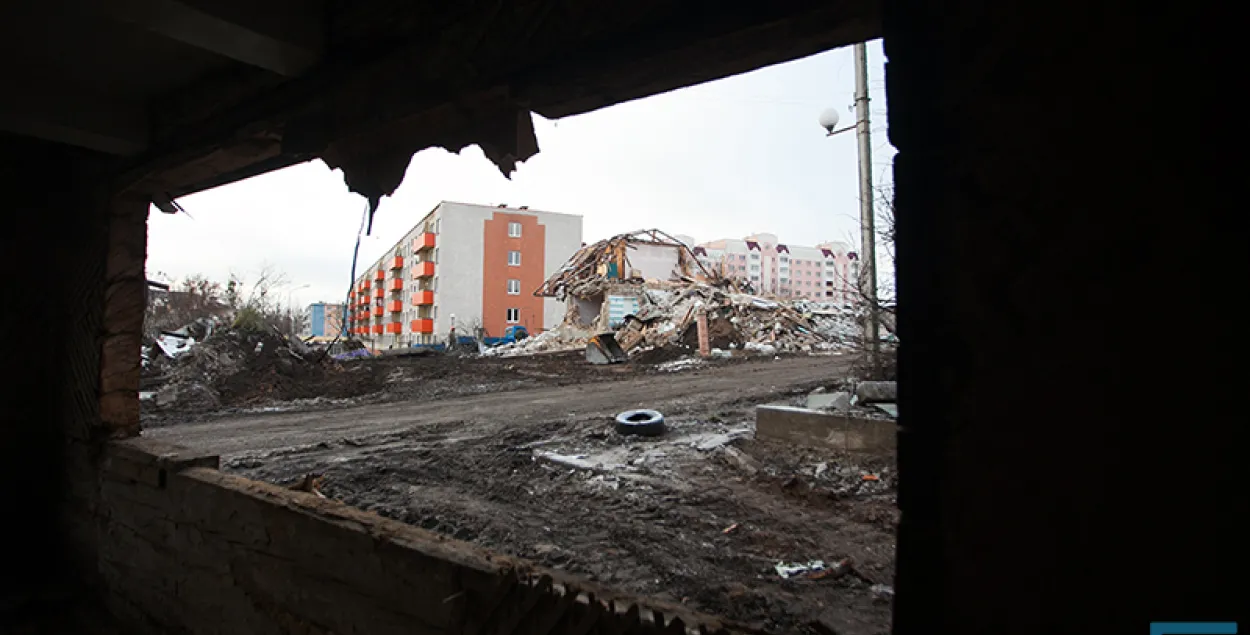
423, 298
379, 292
425, 325
397, 284
377, 329
380, 275
423, 269
396, 306
377, 310
395, 327
423, 241
397, 262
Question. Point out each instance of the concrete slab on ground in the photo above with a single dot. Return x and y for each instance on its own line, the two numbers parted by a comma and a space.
814, 427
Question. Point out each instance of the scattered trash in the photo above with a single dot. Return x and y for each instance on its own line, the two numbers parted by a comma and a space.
836, 571
814, 569
871, 477
677, 365
730, 529
643, 422
882, 590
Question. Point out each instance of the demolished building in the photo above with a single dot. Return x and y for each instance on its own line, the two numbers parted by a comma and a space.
604, 282
650, 290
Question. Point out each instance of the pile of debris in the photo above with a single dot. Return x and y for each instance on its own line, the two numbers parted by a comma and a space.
735, 321
233, 366
664, 325
651, 291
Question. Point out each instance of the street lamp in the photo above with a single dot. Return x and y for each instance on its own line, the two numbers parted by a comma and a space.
868, 279
829, 120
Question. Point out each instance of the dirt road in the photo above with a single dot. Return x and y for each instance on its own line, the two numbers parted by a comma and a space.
701, 515
671, 393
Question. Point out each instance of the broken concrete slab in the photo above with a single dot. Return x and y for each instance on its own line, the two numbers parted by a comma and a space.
816, 427
876, 391
829, 401
888, 408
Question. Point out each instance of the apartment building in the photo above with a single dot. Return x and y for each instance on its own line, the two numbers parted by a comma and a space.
464, 266
324, 320
824, 273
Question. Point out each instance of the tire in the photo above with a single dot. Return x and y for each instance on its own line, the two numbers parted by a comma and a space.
647, 423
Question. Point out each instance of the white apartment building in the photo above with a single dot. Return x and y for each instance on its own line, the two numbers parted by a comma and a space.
824, 273
467, 266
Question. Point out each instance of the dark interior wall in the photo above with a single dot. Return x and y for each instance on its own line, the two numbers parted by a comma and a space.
1066, 253
52, 251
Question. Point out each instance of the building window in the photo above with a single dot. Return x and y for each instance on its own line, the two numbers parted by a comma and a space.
755, 256
755, 278
436, 255
514, 258
514, 316
514, 287
514, 230
755, 267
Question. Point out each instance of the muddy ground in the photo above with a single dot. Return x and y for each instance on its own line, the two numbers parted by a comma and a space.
519, 455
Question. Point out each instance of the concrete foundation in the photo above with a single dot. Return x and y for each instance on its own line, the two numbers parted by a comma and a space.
814, 427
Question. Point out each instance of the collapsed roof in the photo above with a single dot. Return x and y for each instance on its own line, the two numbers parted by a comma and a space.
608, 261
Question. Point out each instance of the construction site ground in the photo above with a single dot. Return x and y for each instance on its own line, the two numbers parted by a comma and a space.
519, 456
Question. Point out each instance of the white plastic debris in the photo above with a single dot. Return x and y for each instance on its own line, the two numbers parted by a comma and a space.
789, 570
174, 346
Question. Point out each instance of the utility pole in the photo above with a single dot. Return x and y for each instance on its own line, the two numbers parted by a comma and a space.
868, 237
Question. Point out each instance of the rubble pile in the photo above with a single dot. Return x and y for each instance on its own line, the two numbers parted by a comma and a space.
553, 341
651, 291
735, 321
233, 367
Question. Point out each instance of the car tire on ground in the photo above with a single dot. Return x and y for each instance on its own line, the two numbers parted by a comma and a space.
648, 423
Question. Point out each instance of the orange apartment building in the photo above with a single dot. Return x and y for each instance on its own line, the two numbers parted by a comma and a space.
464, 266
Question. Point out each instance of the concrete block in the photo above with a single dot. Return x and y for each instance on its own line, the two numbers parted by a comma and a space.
876, 391
815, 427
829, 400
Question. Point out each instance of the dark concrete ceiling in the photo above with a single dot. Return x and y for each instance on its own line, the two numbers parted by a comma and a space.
189, 94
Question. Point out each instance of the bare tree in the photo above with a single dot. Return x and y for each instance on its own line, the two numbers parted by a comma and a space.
257, 304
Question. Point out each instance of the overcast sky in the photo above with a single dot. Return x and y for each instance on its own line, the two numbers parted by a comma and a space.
720, 160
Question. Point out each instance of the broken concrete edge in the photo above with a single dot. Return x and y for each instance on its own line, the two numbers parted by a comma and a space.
150, 462
815, 427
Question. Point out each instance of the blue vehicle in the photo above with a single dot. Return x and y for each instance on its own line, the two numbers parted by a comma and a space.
514, 333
